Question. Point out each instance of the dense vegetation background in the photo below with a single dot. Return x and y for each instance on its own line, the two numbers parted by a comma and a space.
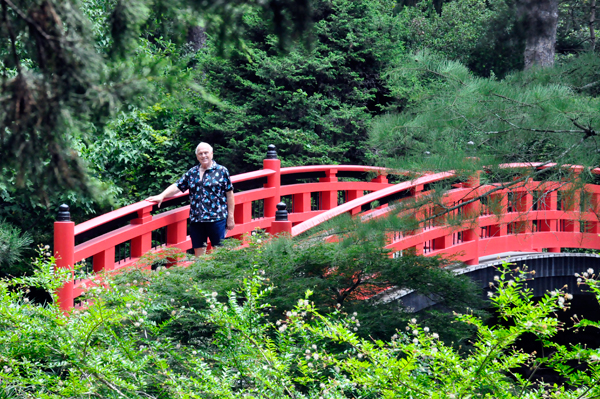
139, 83
103, 101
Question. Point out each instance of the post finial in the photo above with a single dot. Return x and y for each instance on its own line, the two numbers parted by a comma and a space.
281, 215
63, 213
271, 151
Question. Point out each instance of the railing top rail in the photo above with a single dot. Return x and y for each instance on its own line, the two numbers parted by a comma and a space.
544, 165
338, 210
257, 174
323, 168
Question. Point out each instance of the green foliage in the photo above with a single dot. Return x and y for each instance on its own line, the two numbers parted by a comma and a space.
12, 245
340, 275
314, 104
517, 119
485, 35
114, 347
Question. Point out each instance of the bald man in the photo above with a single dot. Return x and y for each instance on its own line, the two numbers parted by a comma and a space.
211, 199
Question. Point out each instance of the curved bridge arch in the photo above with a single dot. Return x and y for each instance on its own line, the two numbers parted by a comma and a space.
315, 192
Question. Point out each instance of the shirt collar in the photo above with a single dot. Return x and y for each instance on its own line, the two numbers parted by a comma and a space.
211, 167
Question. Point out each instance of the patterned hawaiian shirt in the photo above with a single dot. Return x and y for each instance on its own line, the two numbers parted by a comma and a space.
208, 202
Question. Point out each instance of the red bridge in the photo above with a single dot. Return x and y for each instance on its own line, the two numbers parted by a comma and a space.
530, 216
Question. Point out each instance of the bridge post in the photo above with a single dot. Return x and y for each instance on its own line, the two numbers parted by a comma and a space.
472, 211
64, 251
143, 243
281, 225
273, 181
549, 202
329, 198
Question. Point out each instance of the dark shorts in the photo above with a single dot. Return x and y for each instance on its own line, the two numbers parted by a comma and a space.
215, 231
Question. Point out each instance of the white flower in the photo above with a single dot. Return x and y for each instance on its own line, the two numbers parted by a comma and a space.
594, 358
360, 355
394, 337
415, 332
569, 296
172, 300
511, 282
48, 254
307, 351
426, 329
576, 274
490, 294
283, 328
46, 246
528, 325
414, 321
310, 365
288, 314
496, 278
212, 306
590, 270
173, 313
25, 300
316, 356
307, 357
134, 281
337, 369
561, 299
168, 273
355, 329
214, 294
435, 335
322, 386
553, 293
258, 241
136, 324
585, 274
354, 314
434, 350
415, 341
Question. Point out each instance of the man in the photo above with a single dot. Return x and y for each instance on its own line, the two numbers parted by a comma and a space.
211, 199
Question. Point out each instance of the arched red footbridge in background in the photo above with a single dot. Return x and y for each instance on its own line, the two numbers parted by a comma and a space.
532, 216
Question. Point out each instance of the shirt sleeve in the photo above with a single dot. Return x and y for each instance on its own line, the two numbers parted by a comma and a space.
227, 179
183, 184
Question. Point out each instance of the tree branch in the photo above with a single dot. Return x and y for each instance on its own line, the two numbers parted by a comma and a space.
29, 21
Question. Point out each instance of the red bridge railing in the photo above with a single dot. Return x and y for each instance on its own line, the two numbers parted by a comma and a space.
533, 216
308, 199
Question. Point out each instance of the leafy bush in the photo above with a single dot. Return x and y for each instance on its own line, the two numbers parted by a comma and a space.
114, 347
12, 245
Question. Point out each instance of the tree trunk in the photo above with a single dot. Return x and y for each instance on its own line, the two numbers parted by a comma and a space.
540, 19
592, 21
196, 37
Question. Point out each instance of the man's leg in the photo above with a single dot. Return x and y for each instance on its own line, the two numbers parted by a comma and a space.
199, 251
216, 232
198, 234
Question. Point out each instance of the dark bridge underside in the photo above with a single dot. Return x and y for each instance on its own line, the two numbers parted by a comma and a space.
552, 271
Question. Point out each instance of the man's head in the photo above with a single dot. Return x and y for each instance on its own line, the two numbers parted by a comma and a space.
204, 153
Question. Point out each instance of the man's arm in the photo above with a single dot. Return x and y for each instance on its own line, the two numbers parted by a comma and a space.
230, 209
169, 192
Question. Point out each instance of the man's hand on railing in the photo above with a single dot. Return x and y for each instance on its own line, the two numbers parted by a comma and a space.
156, 198
169, 192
